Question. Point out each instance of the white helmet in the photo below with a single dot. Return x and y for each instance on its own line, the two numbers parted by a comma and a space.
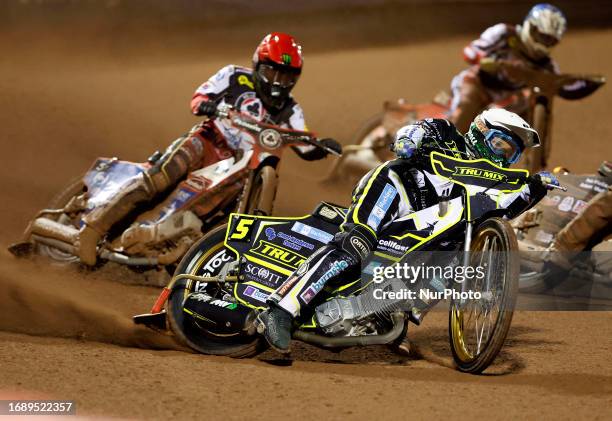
542, 29
501, 136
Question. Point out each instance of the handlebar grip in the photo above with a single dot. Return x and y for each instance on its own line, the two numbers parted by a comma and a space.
554, 186
532, 179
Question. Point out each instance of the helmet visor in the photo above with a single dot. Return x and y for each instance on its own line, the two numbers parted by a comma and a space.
502, 144
541, 38
277, 76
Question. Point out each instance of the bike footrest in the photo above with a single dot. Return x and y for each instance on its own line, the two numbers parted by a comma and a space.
153, 320
24, 249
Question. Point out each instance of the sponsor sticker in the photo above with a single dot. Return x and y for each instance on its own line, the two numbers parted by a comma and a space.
224, 304
263, 275
214, 264
200, 297
391, 245
382, 205
297, 243
544, 237
328, 212
566, 204
312, 232
286, 286
270, 233
308, 295
334, 270
579, 206
278, 254
255, 293
244, 80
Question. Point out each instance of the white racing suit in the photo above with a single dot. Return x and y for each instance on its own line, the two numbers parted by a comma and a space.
388, 192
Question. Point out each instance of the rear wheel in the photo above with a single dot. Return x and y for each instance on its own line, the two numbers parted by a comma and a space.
206, 258
478, 327
73, 189
372, 142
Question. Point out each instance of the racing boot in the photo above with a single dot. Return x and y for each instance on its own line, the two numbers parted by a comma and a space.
276, 324
178, 160
102, 218
595, 220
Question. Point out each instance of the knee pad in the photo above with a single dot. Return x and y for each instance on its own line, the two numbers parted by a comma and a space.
356, 240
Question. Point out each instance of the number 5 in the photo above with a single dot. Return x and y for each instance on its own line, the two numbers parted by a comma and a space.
242, 229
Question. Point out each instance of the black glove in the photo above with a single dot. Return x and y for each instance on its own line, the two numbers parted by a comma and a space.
206, 108
331, 144
319, 153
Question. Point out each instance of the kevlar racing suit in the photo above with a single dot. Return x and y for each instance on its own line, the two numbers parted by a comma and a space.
592, 227
480, 85
207, 143
388, 192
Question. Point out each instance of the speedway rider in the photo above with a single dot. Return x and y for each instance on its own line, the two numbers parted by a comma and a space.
395, 189
485, 82
591, 227
263, 91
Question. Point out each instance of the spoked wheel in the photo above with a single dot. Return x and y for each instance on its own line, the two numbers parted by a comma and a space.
373, 135
372, 140
74, 188
478, 327
206, 258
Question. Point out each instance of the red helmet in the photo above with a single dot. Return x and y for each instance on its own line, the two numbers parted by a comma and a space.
277, 64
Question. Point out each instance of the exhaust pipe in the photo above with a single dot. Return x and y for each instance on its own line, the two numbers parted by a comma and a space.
346, 341
58, 244
45, 227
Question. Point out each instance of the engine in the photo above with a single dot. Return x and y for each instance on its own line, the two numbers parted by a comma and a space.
359, 315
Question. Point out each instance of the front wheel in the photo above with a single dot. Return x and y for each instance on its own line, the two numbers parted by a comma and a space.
537, 158
478, 327
263, 191
206, 258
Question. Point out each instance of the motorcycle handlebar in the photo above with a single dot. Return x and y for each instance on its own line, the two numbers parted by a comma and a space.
224, 111
532, 178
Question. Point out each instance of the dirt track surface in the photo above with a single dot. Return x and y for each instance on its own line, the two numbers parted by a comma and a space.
67, 334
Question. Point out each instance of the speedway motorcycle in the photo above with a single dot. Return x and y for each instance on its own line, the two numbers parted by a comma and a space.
370, 145
224, 280
160, 236
536, 229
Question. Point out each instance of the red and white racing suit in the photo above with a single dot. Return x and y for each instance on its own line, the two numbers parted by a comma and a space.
207, 143
474, 88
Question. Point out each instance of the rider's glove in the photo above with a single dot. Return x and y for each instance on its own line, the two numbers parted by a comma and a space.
547, 179
407, 140
206, 108
331, 144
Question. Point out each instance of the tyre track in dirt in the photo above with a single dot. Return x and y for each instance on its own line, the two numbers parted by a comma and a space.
59, 328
